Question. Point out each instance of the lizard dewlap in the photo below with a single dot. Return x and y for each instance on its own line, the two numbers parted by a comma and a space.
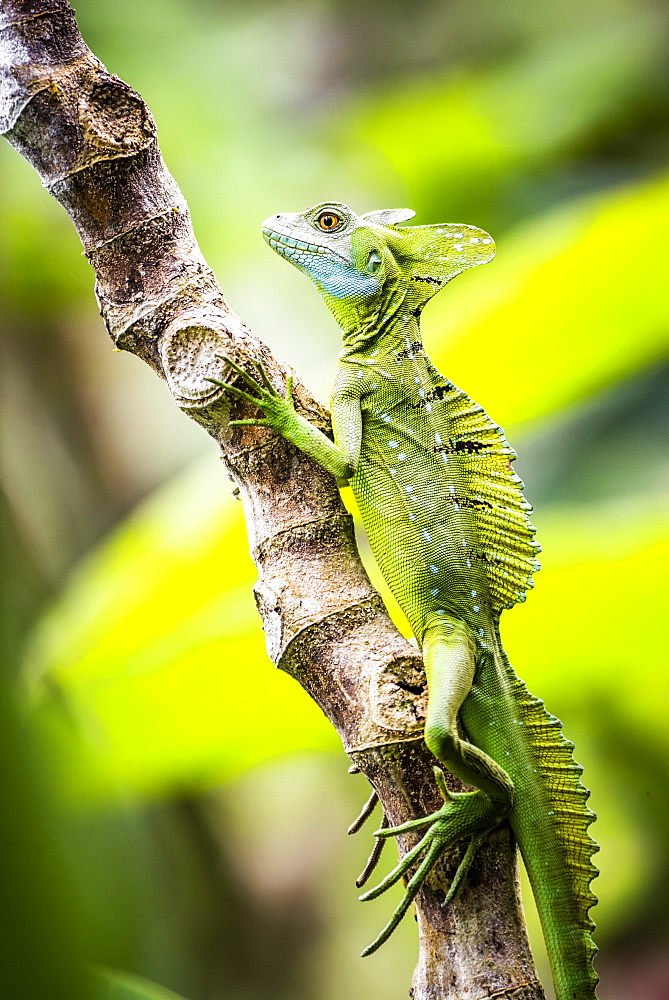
448, 525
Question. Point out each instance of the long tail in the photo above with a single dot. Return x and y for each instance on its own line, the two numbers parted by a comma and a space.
551, 823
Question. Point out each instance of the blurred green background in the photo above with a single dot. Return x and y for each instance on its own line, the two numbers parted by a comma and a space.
161, 814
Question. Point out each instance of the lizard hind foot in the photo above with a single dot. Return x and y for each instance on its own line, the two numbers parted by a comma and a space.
470, 815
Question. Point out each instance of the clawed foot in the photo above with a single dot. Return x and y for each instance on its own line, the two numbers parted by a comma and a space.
464, 814
264, 395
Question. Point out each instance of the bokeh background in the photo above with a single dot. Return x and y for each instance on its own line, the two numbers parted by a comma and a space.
172, 805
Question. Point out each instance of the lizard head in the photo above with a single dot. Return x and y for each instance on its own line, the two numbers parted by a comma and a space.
367, 267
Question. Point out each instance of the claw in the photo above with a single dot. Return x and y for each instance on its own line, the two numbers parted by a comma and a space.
398, 871
373, 858
265, 388
412, 889
365, 813
464, 867
464, 815
235, 367
234, 391
440, 778
263, 376
367, 809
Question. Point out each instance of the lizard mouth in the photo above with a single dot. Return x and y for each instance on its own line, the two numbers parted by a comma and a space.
287, 245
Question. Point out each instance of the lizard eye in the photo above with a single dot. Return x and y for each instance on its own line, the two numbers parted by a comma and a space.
328, 221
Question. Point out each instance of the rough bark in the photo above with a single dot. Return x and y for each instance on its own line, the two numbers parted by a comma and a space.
93, 142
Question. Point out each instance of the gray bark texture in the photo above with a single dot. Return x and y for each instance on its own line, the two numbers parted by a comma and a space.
93, 142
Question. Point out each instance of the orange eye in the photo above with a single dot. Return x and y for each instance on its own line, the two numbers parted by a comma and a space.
328, 221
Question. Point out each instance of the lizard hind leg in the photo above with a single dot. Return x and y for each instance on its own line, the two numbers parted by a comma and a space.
450, 666
448, 652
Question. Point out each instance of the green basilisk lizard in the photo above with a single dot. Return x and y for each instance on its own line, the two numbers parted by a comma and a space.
449, 528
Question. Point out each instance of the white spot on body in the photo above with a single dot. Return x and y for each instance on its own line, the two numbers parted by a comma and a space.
426, 535
486, 241
385, 418
481, 632
421, 393
435, 591
458, 246
393, 444
464, 543
473, 593
476, 608
428, 407
437, 437
409, 488
469, 564
402, 456
474, 239
434, 569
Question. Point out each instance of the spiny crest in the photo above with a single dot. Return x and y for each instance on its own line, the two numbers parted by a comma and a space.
567, 798
505, 533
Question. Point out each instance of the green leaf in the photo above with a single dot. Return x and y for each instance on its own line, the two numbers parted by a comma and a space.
114, 985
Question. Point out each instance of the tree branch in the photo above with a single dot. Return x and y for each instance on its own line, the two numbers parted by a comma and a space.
93, 142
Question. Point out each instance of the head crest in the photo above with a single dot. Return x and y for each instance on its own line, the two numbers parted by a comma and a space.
388, 216
430, 256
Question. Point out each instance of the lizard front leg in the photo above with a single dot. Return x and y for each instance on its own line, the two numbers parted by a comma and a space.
281, 416
450, 665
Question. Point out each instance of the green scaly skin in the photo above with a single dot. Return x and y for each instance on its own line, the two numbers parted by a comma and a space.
449, 528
